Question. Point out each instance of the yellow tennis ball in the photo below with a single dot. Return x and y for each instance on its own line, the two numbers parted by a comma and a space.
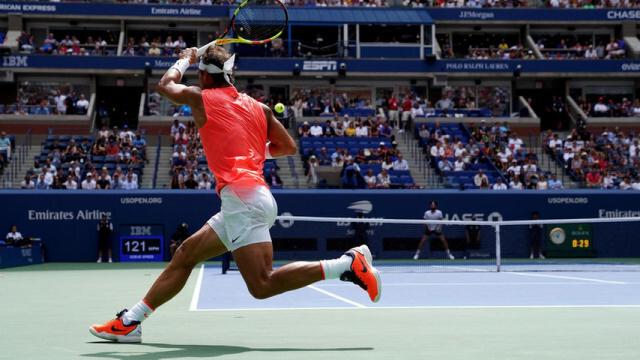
279, 108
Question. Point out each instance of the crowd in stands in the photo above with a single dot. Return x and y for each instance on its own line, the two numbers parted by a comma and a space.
489, 100
483, 46
610, 107
171, 46
496, 156
47, 99
607, 160
364, 150
592, 4
587, 4
487, 46
512, 158
581, 47
68, 44
316, 102
401, 109
113, 160
89, 45
188, 163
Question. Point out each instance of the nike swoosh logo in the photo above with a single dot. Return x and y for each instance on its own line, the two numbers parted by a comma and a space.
115, 329
234, 240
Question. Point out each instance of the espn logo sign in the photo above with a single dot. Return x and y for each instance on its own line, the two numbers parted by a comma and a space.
14, 61
320, 65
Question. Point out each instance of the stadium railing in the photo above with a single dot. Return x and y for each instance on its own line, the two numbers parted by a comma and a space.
11, 173
575, 112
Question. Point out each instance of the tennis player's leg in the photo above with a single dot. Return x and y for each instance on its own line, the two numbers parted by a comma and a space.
255, 264
425, 237
247, 215
126, 327
202, 245
445, 244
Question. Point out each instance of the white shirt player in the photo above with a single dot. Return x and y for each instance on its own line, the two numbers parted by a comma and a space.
434, 215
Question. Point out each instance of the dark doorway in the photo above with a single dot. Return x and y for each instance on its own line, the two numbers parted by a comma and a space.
279, 93
549, 103
118, 105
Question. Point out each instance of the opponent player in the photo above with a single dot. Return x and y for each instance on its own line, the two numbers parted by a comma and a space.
433, 229
237, 134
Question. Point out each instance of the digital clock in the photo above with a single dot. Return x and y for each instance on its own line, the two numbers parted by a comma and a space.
580, 243
569, 240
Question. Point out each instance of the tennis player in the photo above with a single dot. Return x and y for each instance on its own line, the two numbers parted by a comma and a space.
433, 230
238, 133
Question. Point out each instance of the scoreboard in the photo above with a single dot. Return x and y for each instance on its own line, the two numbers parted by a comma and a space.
569, 240
141, 243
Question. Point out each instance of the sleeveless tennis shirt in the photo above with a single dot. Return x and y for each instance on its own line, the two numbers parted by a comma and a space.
234, 137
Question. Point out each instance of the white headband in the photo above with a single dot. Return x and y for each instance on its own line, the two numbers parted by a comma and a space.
227, 68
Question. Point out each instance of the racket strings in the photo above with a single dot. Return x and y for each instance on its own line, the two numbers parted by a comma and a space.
250, 23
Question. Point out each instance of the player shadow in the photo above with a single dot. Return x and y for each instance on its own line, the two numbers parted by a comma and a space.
128, 351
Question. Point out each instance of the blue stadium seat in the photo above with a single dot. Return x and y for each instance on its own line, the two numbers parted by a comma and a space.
406, 179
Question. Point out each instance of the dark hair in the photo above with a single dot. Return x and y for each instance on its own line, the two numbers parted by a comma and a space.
433, 202
217, 55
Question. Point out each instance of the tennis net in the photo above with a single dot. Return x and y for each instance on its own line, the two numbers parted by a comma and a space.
584, 245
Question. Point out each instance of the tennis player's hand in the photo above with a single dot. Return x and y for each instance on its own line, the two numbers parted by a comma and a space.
190, 54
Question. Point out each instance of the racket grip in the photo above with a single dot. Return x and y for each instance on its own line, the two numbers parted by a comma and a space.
203, 49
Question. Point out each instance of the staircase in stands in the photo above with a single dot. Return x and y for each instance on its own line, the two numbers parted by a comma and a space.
25, 165
423, 175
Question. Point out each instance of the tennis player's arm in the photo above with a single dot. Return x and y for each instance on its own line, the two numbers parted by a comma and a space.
170, 87
280, 142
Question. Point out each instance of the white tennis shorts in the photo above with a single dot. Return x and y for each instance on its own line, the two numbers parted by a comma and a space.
245, 217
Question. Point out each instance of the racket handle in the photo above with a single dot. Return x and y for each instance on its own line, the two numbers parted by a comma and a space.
203, 49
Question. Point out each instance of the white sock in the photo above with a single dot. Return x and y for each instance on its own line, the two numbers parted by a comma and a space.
332, 269
139, 312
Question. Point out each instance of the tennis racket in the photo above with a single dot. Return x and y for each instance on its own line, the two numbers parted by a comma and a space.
252, 25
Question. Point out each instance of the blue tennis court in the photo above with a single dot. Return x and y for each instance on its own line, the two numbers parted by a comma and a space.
217, 292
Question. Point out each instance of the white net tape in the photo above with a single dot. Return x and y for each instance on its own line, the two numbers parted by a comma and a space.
496, 264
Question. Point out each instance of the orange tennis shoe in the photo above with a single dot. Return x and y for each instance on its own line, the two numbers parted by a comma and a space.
116, 330
362, 272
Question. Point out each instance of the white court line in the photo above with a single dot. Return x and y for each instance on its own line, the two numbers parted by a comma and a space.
464, 268
196, 291
437, 307
567, 277
335, 296
479, 283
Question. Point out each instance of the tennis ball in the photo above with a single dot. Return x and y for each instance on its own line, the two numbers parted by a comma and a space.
279, 108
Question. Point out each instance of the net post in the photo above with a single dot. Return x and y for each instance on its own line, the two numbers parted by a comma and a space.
498, 250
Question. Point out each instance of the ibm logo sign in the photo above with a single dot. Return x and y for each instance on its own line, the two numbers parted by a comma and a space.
140, 230
320, 65
14, 61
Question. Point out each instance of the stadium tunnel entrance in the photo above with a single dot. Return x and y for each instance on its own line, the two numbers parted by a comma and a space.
547, 98
118, 102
